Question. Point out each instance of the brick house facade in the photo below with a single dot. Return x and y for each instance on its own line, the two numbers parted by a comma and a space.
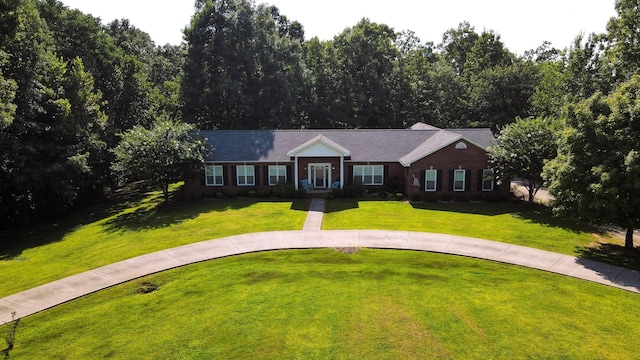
419, 161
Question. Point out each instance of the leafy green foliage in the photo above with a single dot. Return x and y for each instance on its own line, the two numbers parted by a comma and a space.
597, 172
161, 155
50, 149
521, 150
243, 67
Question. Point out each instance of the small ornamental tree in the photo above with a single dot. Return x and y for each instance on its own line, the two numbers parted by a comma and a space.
160, 155
597, 172
521, 150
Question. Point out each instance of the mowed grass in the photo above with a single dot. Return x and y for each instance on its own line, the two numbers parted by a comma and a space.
520, 224
324, 304
99, 237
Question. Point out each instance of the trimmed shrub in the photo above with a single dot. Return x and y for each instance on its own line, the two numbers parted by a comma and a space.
394, 184
355, 189
461, 197
284, 190
496, 196
264, 193
301, 193
383, 195
399, 196
431, 197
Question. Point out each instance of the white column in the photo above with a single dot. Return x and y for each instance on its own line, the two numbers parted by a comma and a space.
342, 171
295, 171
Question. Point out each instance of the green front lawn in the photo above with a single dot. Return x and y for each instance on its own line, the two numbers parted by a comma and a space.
520, 224
102, 236
324, 304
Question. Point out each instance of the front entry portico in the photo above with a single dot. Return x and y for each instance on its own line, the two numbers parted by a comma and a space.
319, 174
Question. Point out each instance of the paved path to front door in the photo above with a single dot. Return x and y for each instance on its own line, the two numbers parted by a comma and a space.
314, 216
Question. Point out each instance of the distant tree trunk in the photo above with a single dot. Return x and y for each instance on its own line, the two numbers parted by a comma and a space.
532, 188
165, 191
532, 193
628, 240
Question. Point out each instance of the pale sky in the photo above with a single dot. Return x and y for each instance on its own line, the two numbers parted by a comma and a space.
522, 25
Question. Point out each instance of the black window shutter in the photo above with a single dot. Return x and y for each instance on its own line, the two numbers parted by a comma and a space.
385, 176
225, 172
439, 180
423, 180
480, 180
451, 180
202, 177
234, 177
289, 174
467, 180
265, 169
350, 175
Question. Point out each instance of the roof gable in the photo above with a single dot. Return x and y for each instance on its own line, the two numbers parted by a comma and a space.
320, 146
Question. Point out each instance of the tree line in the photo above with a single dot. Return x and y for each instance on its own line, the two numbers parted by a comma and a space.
70, 86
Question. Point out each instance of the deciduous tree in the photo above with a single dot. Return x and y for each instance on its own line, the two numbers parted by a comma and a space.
521, 150
597, 172
163, 154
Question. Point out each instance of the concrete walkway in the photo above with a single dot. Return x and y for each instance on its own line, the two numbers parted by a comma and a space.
43, 297
314, 216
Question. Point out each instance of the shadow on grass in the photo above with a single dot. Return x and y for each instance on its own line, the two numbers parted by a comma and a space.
338, 205
15, 242
486, 209
612, 254
162, 215
534, 213
300, 204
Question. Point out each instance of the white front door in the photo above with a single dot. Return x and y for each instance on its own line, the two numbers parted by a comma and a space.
320, 175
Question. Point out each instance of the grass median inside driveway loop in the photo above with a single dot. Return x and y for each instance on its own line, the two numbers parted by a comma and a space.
520, 224
325, 304
99, 237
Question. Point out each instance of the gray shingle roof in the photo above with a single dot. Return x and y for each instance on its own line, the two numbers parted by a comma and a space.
379, 145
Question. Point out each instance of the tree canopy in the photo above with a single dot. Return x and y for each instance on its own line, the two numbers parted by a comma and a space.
161, 155
521, 150
597, 172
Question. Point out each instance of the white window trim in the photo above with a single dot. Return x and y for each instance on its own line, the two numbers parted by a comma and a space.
238, 176
492, 179
464, 179
278, 169
214, 167
435, 179
373, 174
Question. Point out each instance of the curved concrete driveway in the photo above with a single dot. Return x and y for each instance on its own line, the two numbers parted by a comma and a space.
43, 297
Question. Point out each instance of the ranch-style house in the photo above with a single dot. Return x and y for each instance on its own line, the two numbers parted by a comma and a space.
421, 159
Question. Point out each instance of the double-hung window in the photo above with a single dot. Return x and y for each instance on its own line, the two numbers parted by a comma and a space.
459, 180
369, 174
277, 174
213, 175
488, 178
430, 180
246, 175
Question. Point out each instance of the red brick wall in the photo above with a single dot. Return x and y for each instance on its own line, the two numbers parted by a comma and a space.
472, 159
